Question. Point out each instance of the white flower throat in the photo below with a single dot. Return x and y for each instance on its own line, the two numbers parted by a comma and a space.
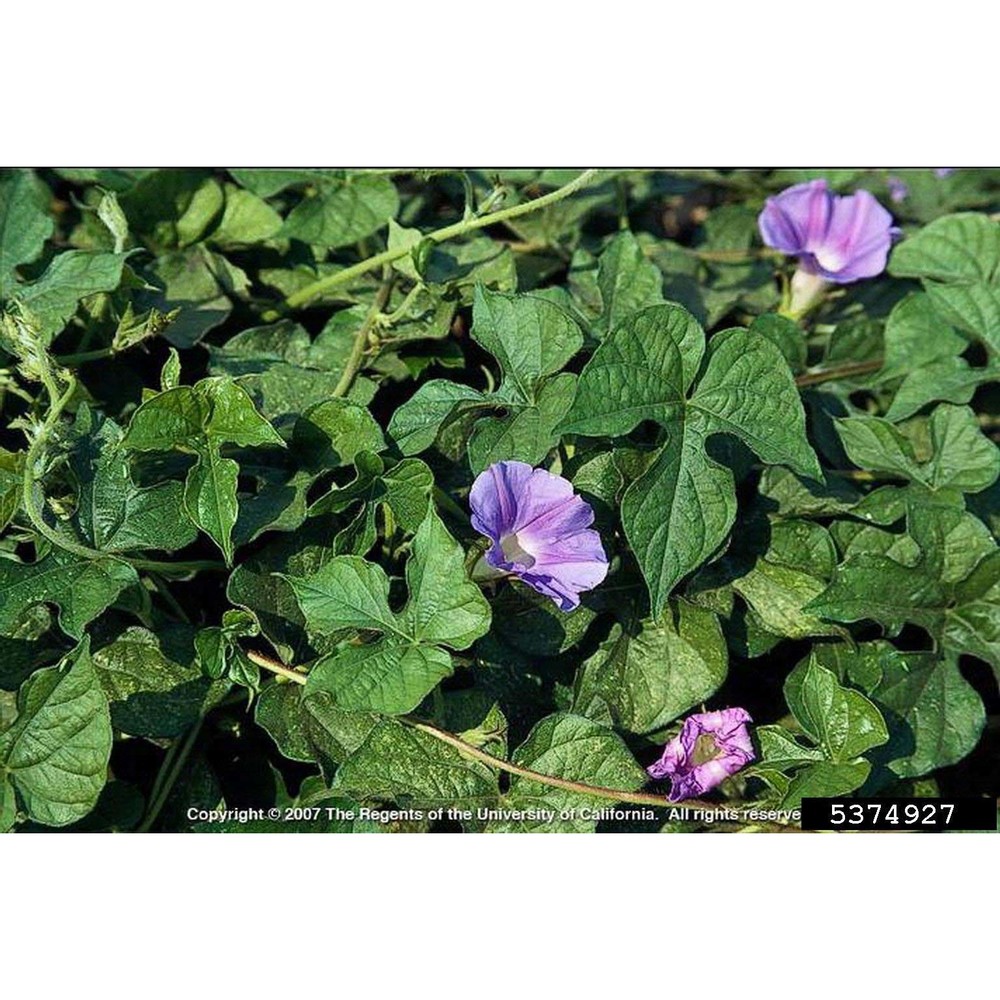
513, 552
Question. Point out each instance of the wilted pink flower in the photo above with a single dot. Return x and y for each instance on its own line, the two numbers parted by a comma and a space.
540, 531
710, 747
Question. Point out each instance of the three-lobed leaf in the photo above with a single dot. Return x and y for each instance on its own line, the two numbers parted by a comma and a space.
201, 419
395, 673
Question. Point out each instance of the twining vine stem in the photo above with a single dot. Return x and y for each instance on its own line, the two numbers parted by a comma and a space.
58, 403
614, 794
310, 291
843, 371
357, 354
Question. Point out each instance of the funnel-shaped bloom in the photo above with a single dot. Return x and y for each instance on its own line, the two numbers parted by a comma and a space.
709, 748
540, 531
839, 238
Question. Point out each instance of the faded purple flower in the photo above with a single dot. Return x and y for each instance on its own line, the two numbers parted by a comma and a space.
942, 172
710, 747
898, 189
839, 238
540, 531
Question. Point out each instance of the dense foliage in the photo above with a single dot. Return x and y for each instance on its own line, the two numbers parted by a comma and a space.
243, 411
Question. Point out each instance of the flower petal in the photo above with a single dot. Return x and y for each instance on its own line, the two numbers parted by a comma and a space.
494, 497
734, 750
858, 239
578, 564
796, 218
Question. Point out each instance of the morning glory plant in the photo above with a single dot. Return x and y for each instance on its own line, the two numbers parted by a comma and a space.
339, 500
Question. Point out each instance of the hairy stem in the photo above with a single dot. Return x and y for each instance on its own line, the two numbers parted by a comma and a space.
274, 666
842, 371
597, 791
83, 357
190, 566
304, 295
357, 354
29, 482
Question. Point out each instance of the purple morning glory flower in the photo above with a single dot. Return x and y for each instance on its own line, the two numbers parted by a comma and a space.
838, 238
898, 189
709, 748
540, 531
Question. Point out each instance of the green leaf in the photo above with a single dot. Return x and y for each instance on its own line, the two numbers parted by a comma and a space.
200, 213
826, 780
57, 751
786, 335
401, 764
526, 434
385, 676
80, 588
627, 281
280, 712
154, 687
641, 371
270, 182
950, 379
199, 284
112, 513
958, 259
871, 586
935, 716
780, 749
960, 456
341, 214
778, 594
8, 804
915, 336
72, 276
258, 584
246, 219
333, 732
394, 674
25, 225
200, 419
332, 433
109, 211
574, 749
531, 339
347, 592
416, 425
747, 390
651, 674
679, 511
282, 368
842, 721
11, 478
405, 489
532, 624
445, 607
